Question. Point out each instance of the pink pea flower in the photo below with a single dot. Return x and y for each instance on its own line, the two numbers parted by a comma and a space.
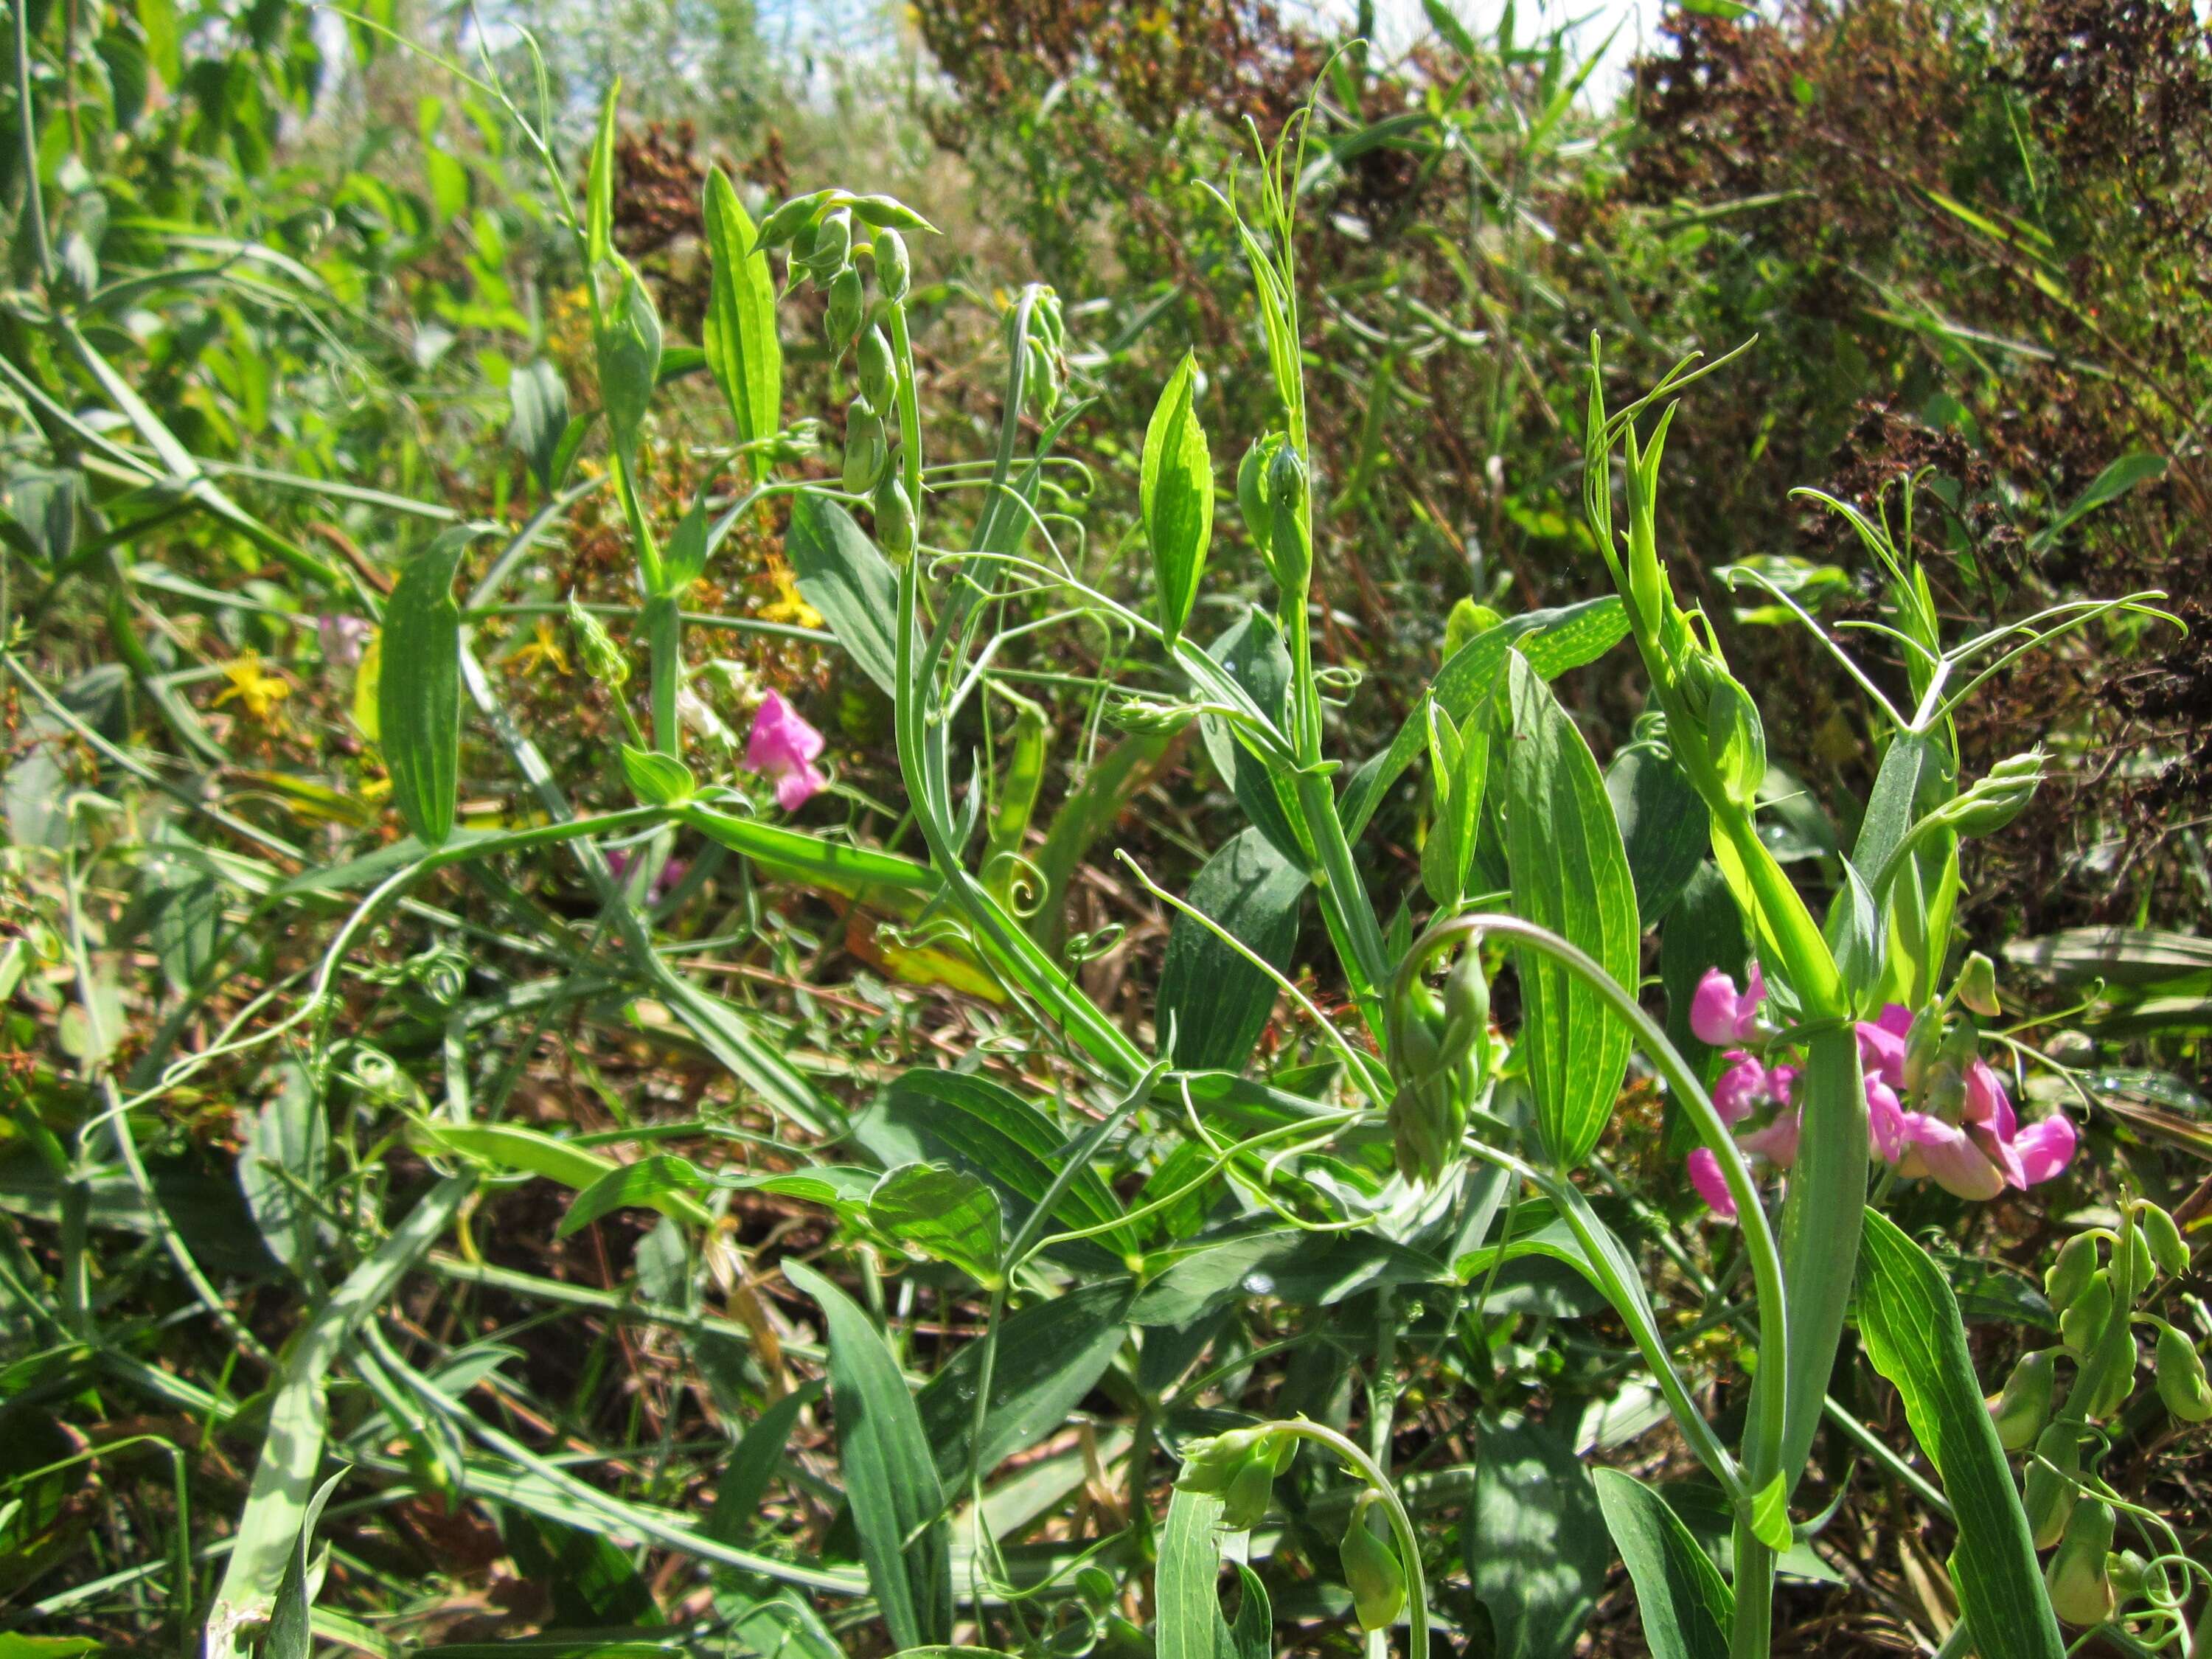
673, 871
1720, 1014
342, 639
1885, 1119
2045, 1147
782, 748
1742, 1088
1705, 1175
1881, 1045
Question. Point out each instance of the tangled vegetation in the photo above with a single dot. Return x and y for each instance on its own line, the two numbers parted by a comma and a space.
1192, 841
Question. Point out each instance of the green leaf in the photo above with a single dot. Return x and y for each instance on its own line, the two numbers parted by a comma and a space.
1215, 1002
943, 1213
599, 187
158, 19
743, 349
843, 576
889, 1475
1535, 1541
1175, 493
418, 692
656, 779
1183, 1580
640, 1183
289, 1634
539, 397
1664, 826
629, 363
1250, 650
1050, 1355
1685, 1607
2114, 482
1307, 1269
745, 1476
280, 1167
591, 1581
1910, 1322
1570, 875
1459, 769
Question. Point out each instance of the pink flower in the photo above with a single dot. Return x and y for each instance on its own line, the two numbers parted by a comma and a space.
1720, 1014
1705, 1176
1778, 1142
1881, 1046
1742, 1088
673, 871
2045, 1147
1885, 1119
1946, 1155
782, 748
342, 639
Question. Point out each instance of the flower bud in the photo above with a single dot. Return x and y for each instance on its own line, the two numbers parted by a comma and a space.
1289, 560
894, 518
2050, 1489
2083, 1322
1372, 1570
894, 274
1978, 985
2024, 1406
2181, 1381
848, 309
2164, 1240
1209, 1465
2116, 1375
879, 371
831, 250
2069, 1275
2129, 1573
788, 220
1923, 1043
1251, 1490
1736, 741
1252, 495
603, 658
864, 449
2080, 1589
1466, 1011
1996, 799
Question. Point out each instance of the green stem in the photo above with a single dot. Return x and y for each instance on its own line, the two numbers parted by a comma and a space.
34, 205
1751, 1627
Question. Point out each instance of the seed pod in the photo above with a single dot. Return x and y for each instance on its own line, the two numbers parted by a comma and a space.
2051, 1490
603, 658
2081, 1589
2069, 1275
894, 517
866, 452
878, 372
2181, 1382
1372, 1570
2168, 1247
1978, 985
2083, 1322
893, 271
2024, 1406
848, 309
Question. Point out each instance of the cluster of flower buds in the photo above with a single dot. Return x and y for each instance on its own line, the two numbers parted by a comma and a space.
1440, 1054
1935, 1108
1373, 1571
2094, 1284
818, 229
1044, 349
1239, 1467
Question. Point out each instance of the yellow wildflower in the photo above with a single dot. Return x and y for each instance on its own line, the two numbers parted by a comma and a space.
544, 649
789, 605
252, 684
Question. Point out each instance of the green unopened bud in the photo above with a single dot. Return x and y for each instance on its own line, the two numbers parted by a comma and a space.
2070, 1048
1372, 1570
1977, 986
1466, 1011
2083, 1322
2080, 1589
2024, 1406
2141, 1268
1252, 495
1209, 1465
894, 273
847, 310
2164, 1240
1289, 560
879, 371
2051, 1487
603, 658
1251, 1490
1923, 1042
866, 452
831, 250
1735, 740
1147, 716
2181, 1382
2069, 1275
788, 220
1239, 1467
2114, 1369
2129, 1573
894, 518
1998, 798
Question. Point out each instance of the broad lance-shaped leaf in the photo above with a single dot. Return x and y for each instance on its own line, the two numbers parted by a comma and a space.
890, 1474
943, 1212
629, 362
418, 689
1175, 493
1910, 1321
599, 185
1191, 1625
1685, 1607
1535, 1546
743, 349
842, 574
1570, 874
1215, 1001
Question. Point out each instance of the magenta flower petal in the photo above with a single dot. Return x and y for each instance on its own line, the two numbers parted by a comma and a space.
782, 748
1782, 1082
1778, 1142
342, 638
1741, 1089
1885, 1120
2045, 1147
1713, 1009
1895, 1018
1942, 1152
1705, 1175
1881, 1053
1987, 1102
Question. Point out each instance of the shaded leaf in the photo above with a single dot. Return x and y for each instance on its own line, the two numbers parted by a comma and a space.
1216, 1002
1685, 1607
419, 693
1535, 1541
